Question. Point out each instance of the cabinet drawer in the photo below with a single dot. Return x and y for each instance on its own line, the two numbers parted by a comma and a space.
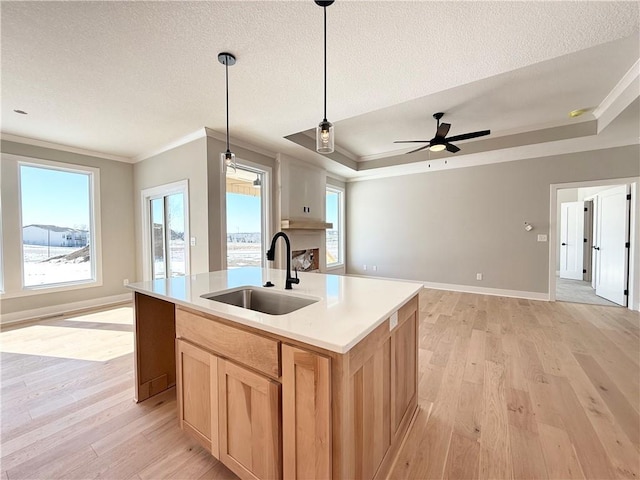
259, 353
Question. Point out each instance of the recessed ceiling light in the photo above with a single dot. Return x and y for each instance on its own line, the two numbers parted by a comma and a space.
21, 112
577, 113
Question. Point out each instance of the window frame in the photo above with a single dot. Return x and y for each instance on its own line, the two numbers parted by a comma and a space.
161, 191
340, 227
265, 200
95, 229
1, 244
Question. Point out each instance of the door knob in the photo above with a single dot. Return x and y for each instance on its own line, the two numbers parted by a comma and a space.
564, 244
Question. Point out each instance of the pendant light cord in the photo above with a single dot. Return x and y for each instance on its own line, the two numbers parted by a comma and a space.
226, 74
325, 63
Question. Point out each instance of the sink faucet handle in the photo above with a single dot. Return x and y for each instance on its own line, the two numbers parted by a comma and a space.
295, 280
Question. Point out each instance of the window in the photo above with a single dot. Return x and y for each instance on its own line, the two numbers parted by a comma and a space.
246, 198
1, 248
335, 235
59, 227
166, 237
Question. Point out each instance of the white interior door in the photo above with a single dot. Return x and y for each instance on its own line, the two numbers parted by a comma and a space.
571, 240
610, 245
588, 241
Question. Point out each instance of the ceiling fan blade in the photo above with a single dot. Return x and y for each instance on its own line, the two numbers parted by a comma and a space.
412, 141
418, 149
467, 136
452, 148
443, 129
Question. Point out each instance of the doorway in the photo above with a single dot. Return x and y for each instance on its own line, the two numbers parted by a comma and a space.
165, 220
592, 261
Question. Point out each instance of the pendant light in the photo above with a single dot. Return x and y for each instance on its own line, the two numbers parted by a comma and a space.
228, 60
325, 138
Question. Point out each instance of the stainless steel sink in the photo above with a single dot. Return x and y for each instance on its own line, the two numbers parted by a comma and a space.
260, 300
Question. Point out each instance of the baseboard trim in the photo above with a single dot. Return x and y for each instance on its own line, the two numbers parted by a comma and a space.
497, 292
41, 313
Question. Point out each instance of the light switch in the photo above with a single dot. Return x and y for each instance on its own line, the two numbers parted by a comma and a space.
193, 241
542, 238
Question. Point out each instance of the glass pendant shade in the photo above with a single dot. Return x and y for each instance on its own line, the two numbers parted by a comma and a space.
325, 137
229, 159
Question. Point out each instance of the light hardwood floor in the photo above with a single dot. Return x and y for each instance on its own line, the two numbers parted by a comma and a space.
508, 388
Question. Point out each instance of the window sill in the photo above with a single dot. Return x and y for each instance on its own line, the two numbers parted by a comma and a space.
335, 266
57, 288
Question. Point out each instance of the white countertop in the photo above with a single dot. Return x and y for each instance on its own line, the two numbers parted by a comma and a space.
347, 310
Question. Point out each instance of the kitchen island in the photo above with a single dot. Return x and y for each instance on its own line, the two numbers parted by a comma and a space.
327, 390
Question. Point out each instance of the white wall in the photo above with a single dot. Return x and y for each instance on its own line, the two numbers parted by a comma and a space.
118, 252
188, 161
446, 226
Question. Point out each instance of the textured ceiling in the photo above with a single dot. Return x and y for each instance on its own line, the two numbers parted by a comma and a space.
126, 78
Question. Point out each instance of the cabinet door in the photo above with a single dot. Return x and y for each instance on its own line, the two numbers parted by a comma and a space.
306, 414
197, 394
306, 192
403, 369
250, 439
370, 386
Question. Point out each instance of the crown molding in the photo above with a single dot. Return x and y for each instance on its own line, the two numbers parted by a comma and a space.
526, 152
64, 148
532, 129
200, 133
619, 98
239, 143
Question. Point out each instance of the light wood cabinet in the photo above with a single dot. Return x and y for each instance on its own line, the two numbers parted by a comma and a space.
250, 439
255, 351
404, 361
154, 346
306, 414
329, 415
197, 394
371, 390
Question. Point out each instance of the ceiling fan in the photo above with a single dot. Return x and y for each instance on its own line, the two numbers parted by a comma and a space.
440, 142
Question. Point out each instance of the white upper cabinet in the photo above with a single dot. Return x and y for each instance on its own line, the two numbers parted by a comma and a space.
302, 190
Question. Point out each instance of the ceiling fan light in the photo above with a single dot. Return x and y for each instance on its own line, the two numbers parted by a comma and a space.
325, 138
438, 147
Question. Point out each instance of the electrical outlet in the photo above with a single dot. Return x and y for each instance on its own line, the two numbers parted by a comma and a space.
364, 267
375, 268
193, 241
542, 238
478, 276
125, 281
393, 321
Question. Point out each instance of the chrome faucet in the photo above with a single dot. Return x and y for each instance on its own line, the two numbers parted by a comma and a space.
271, 255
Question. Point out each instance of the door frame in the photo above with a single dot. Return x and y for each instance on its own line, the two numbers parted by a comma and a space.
147, 194
634, 273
